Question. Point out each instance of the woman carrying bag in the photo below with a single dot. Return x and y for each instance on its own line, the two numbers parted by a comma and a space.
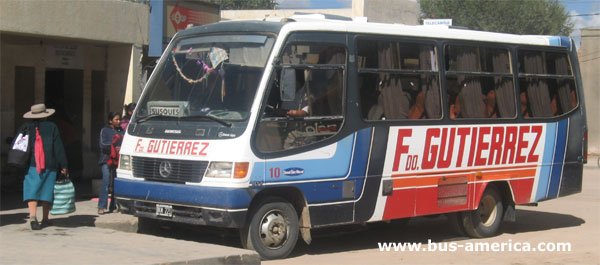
47, 157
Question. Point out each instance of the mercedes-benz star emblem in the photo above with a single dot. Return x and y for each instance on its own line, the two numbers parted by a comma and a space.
165, 169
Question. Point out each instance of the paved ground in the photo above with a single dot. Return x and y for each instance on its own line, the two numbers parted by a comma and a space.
84, 237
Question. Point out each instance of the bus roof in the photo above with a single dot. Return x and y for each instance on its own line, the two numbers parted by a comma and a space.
235, 26
312, 23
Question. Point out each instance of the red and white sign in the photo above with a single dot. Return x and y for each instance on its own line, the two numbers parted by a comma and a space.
179, 17
172, 147
454, 147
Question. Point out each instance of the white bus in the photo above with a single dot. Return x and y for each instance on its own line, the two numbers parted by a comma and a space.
276, 128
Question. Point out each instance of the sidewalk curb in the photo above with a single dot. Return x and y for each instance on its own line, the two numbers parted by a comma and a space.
117, 221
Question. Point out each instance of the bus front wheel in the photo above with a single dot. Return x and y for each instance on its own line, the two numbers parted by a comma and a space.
486, 219
272, 230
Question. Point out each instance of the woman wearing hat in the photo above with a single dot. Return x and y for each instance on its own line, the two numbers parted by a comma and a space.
47, 157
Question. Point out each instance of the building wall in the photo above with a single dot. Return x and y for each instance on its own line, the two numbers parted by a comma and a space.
278, 13
382, 11
108, 36
589, 61
114, 60
107, 20
387, 11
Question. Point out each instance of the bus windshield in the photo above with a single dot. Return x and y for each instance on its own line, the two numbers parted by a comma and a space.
210, 76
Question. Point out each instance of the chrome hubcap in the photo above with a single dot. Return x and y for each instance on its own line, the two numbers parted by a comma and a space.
273, 230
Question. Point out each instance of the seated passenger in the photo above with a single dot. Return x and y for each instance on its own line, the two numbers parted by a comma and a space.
490, 104
554, 106
524, 107
300, 106
455, 108
417, 110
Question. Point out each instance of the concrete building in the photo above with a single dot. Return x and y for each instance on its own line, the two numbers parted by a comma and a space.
383, 11
84, 58
589, 61
80, 57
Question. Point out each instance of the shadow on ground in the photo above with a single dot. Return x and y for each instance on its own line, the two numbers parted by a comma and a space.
359, 237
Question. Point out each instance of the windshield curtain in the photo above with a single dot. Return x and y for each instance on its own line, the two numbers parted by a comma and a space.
208, 75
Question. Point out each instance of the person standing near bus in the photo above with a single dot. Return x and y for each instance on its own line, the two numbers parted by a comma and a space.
47, 156
107, 134
129, 108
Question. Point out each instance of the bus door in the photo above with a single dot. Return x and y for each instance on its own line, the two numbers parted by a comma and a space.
299, 130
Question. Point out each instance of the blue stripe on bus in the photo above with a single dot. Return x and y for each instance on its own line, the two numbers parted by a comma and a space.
554, 41
258, 172
170, 193
546, 164
360, 160
332, 191
560, 41
336, 166
559, 159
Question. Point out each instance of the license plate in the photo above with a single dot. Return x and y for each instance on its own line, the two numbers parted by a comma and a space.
164, 210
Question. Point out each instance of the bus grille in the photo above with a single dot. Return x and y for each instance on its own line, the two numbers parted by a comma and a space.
168, 170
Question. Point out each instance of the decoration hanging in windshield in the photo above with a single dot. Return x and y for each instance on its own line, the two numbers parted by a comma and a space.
216, 56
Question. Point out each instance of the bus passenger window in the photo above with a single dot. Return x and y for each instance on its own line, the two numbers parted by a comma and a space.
547, 83
479, 82
398, 80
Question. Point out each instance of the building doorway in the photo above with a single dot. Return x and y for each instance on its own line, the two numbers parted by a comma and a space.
24, 92
64, 92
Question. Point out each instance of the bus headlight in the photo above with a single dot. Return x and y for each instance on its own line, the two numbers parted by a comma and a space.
125, 162
236, 170
219, 170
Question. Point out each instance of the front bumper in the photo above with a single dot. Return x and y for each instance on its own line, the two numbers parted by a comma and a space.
185, 214
198, 205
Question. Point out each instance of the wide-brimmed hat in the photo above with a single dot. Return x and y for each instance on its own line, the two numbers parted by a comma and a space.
38, 111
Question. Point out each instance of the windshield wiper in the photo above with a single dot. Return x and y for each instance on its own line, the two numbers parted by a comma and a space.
148, 117
212, 118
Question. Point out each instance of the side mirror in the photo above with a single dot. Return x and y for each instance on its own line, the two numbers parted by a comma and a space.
288, 84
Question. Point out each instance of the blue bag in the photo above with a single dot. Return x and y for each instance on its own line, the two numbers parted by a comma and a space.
64, 197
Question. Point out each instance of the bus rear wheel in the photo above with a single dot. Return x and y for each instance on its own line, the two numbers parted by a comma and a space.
273, 229
486, 219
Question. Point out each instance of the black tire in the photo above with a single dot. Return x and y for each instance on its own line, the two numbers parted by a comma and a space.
272, 230
485, 221
455, 223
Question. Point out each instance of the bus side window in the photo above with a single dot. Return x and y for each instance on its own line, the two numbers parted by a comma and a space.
398, 80
479, 82
547, 83
305, 104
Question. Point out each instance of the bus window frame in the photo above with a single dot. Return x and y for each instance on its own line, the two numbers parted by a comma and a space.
399, 39
510, 48
573, 77
299, 38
